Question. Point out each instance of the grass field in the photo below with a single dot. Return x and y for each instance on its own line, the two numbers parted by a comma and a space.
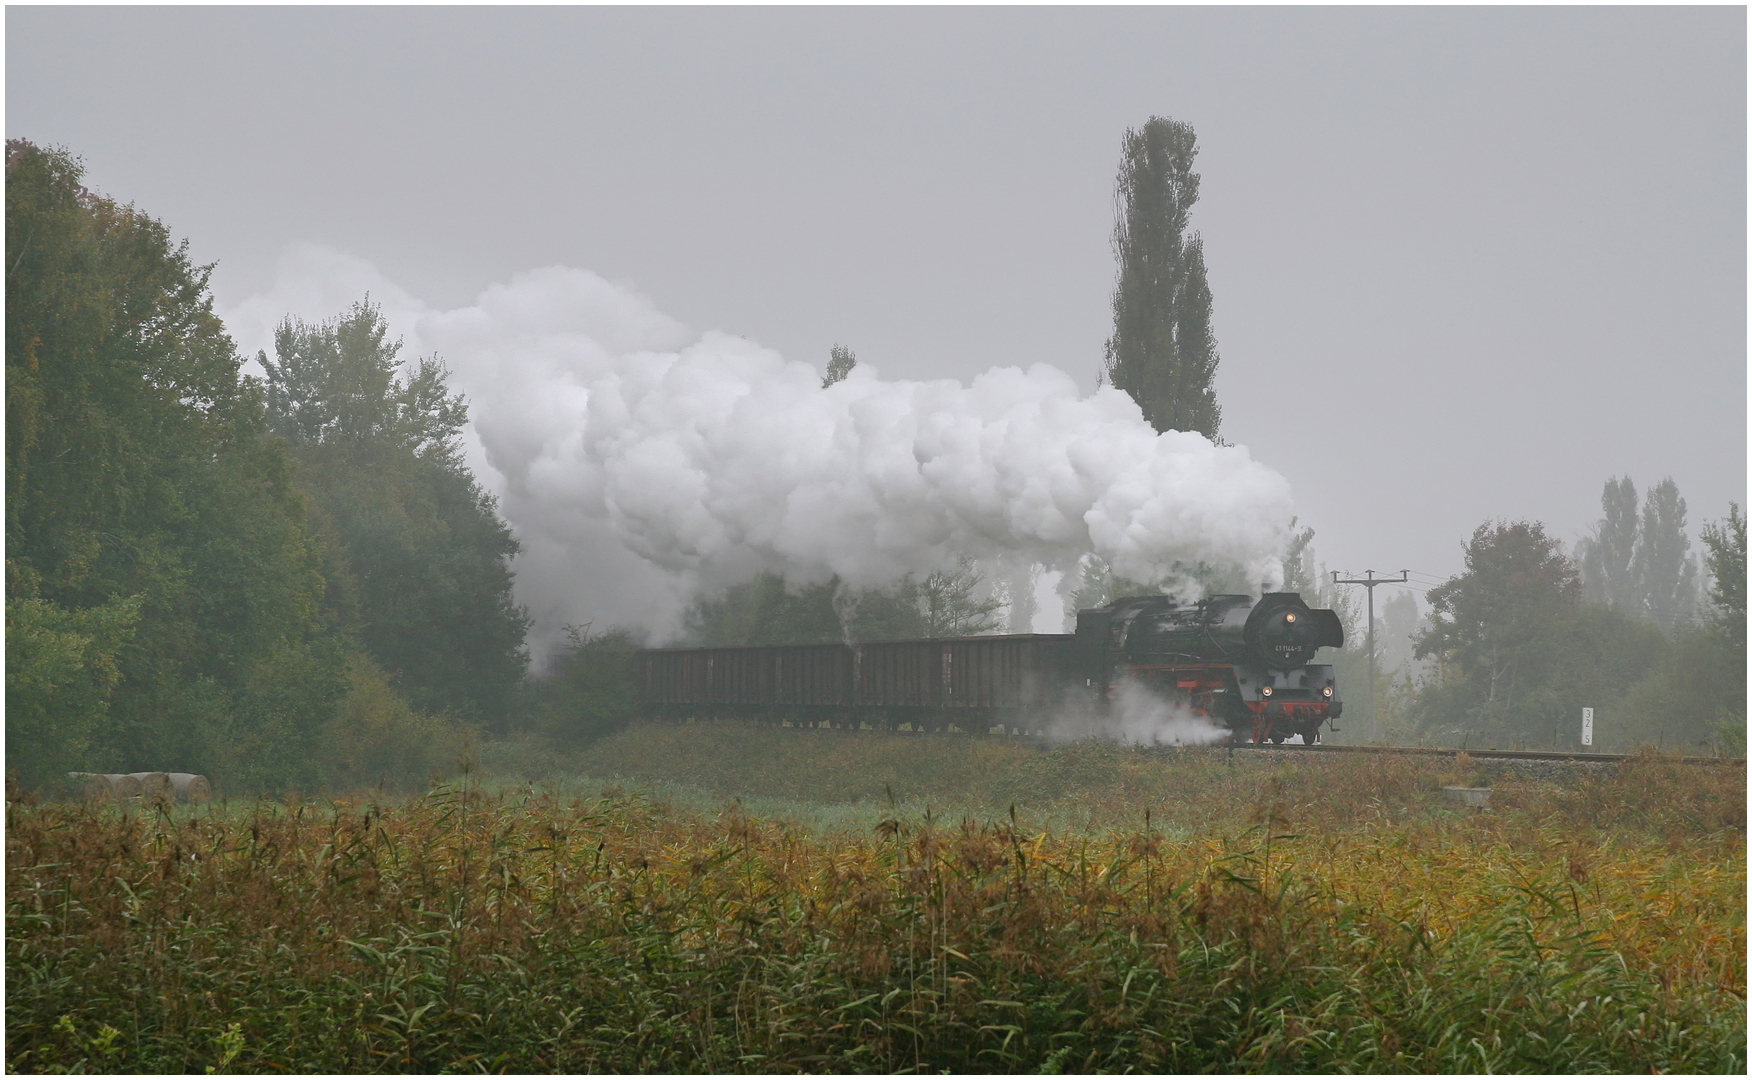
713, 898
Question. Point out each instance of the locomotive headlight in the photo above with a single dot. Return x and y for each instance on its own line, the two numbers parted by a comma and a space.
1327, 691
1291, 617
1265, 691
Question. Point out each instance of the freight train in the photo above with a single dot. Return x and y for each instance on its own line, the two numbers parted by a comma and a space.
1240, 663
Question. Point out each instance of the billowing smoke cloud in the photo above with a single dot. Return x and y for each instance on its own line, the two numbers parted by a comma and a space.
640, 463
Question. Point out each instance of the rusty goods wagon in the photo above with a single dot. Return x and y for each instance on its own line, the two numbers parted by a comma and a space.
970, 684
1243, 663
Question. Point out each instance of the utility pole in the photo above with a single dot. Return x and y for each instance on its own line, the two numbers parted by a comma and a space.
1369, 581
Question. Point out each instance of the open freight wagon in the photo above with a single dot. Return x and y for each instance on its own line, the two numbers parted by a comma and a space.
1243, 663
971, 684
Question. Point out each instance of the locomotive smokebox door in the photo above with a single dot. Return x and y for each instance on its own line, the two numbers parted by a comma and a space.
1285, 632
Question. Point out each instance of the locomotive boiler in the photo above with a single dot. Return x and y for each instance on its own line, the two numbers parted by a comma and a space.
1245, 664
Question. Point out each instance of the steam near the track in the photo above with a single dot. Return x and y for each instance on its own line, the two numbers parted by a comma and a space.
640, 464
1136, 717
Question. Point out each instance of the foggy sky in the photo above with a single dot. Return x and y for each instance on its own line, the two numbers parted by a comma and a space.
1467, 263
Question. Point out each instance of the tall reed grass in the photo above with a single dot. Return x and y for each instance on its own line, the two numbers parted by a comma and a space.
537, 931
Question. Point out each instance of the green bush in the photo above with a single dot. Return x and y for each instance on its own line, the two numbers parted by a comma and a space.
590, 689
376, 739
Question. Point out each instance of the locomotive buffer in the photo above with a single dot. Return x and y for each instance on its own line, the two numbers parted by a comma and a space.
1369, 581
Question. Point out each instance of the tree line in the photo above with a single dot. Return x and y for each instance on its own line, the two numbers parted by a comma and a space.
287, 581
1527, 635
294, 581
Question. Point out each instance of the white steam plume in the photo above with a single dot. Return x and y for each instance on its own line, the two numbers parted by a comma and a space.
640, 464
1139, 717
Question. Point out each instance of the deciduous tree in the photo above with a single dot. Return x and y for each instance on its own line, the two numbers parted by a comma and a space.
840, 363
425, 554
1724, 544
161, 582
1521, 650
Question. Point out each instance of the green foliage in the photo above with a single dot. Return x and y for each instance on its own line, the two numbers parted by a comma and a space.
339, 382
422, 554
768, 610
154, 540
1097, 585
1517, 580
1520, 653
1519, 650
1666, 571
1641, 564
840, 363
1725, 557
1717, 651
60, 672
954, 603
376, 740
590, 689
1693, 699
1607, 557
117, 372
247, 661
1162, 352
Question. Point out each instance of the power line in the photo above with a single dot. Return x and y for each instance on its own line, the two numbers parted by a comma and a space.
1369, 582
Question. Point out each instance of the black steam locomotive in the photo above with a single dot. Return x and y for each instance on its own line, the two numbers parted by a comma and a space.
1243, 664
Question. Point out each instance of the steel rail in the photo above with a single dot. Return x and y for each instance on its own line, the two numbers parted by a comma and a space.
1509, 755
1301, 748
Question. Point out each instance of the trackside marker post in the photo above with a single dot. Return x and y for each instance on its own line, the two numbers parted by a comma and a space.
1587, 727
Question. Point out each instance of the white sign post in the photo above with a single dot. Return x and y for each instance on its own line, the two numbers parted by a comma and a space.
1587, 727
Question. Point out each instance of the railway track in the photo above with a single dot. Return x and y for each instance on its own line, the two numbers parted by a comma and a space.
1508, 755
1249, 747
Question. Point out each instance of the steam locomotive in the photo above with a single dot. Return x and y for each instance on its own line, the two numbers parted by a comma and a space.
1241, 663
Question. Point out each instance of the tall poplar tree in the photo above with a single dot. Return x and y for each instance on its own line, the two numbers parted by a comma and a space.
1607, 556
1666, 571
1641, 564
1162, 351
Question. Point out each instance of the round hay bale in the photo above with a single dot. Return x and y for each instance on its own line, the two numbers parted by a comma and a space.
123, 786
90, 786
191, 787
155, 787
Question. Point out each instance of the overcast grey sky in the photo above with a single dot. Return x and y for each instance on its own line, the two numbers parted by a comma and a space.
1467, 263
